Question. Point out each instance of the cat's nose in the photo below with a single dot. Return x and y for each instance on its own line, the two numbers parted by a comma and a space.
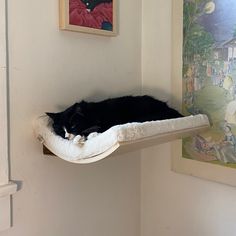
69, 136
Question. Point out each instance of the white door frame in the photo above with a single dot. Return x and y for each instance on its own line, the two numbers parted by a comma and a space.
6, 188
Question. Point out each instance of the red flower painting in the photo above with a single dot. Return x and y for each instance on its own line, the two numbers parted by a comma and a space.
100, 17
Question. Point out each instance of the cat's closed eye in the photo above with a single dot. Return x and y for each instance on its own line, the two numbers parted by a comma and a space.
73, 129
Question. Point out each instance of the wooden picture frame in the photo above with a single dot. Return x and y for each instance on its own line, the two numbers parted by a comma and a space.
76, 15
222, 173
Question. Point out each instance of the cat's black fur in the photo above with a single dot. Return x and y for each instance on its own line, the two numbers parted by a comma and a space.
91, 4
86, 117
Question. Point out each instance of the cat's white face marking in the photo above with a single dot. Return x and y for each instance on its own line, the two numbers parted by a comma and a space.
68, 135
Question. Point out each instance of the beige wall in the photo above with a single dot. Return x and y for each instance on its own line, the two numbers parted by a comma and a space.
174, 204
49, 70
156, 50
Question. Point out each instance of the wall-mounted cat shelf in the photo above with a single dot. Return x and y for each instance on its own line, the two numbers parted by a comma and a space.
118, 139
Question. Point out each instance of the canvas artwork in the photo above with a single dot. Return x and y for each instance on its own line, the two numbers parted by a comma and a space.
209, 78
88, 16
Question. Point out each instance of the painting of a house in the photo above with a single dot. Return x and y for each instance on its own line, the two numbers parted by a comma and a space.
225, 50
209, 78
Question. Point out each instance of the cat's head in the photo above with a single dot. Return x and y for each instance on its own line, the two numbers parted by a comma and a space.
70, 122
91, 4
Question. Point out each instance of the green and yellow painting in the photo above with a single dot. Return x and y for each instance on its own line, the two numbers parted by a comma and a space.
209, 78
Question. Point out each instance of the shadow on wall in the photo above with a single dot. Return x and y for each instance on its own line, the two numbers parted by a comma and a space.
99, 95
162, 95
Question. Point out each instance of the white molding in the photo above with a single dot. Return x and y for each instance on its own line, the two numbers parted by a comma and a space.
4, 174
5, 205
6, 188
5, 213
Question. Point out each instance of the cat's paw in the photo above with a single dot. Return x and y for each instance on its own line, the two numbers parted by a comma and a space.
92, 135
78, 139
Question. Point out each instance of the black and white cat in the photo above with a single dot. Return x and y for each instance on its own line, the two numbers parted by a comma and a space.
87, 117
91, 4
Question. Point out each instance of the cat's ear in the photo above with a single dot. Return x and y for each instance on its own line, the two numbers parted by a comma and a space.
78, 109
52, 115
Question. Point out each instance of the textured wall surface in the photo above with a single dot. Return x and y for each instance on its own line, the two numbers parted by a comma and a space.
174, 204
49, 70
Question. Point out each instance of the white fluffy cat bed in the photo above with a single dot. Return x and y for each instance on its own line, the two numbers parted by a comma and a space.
130, 136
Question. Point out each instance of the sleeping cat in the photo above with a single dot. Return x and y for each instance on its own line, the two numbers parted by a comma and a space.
91, 4
87, 117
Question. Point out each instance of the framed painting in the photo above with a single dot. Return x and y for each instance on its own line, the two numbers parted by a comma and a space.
88, 16
204, 81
